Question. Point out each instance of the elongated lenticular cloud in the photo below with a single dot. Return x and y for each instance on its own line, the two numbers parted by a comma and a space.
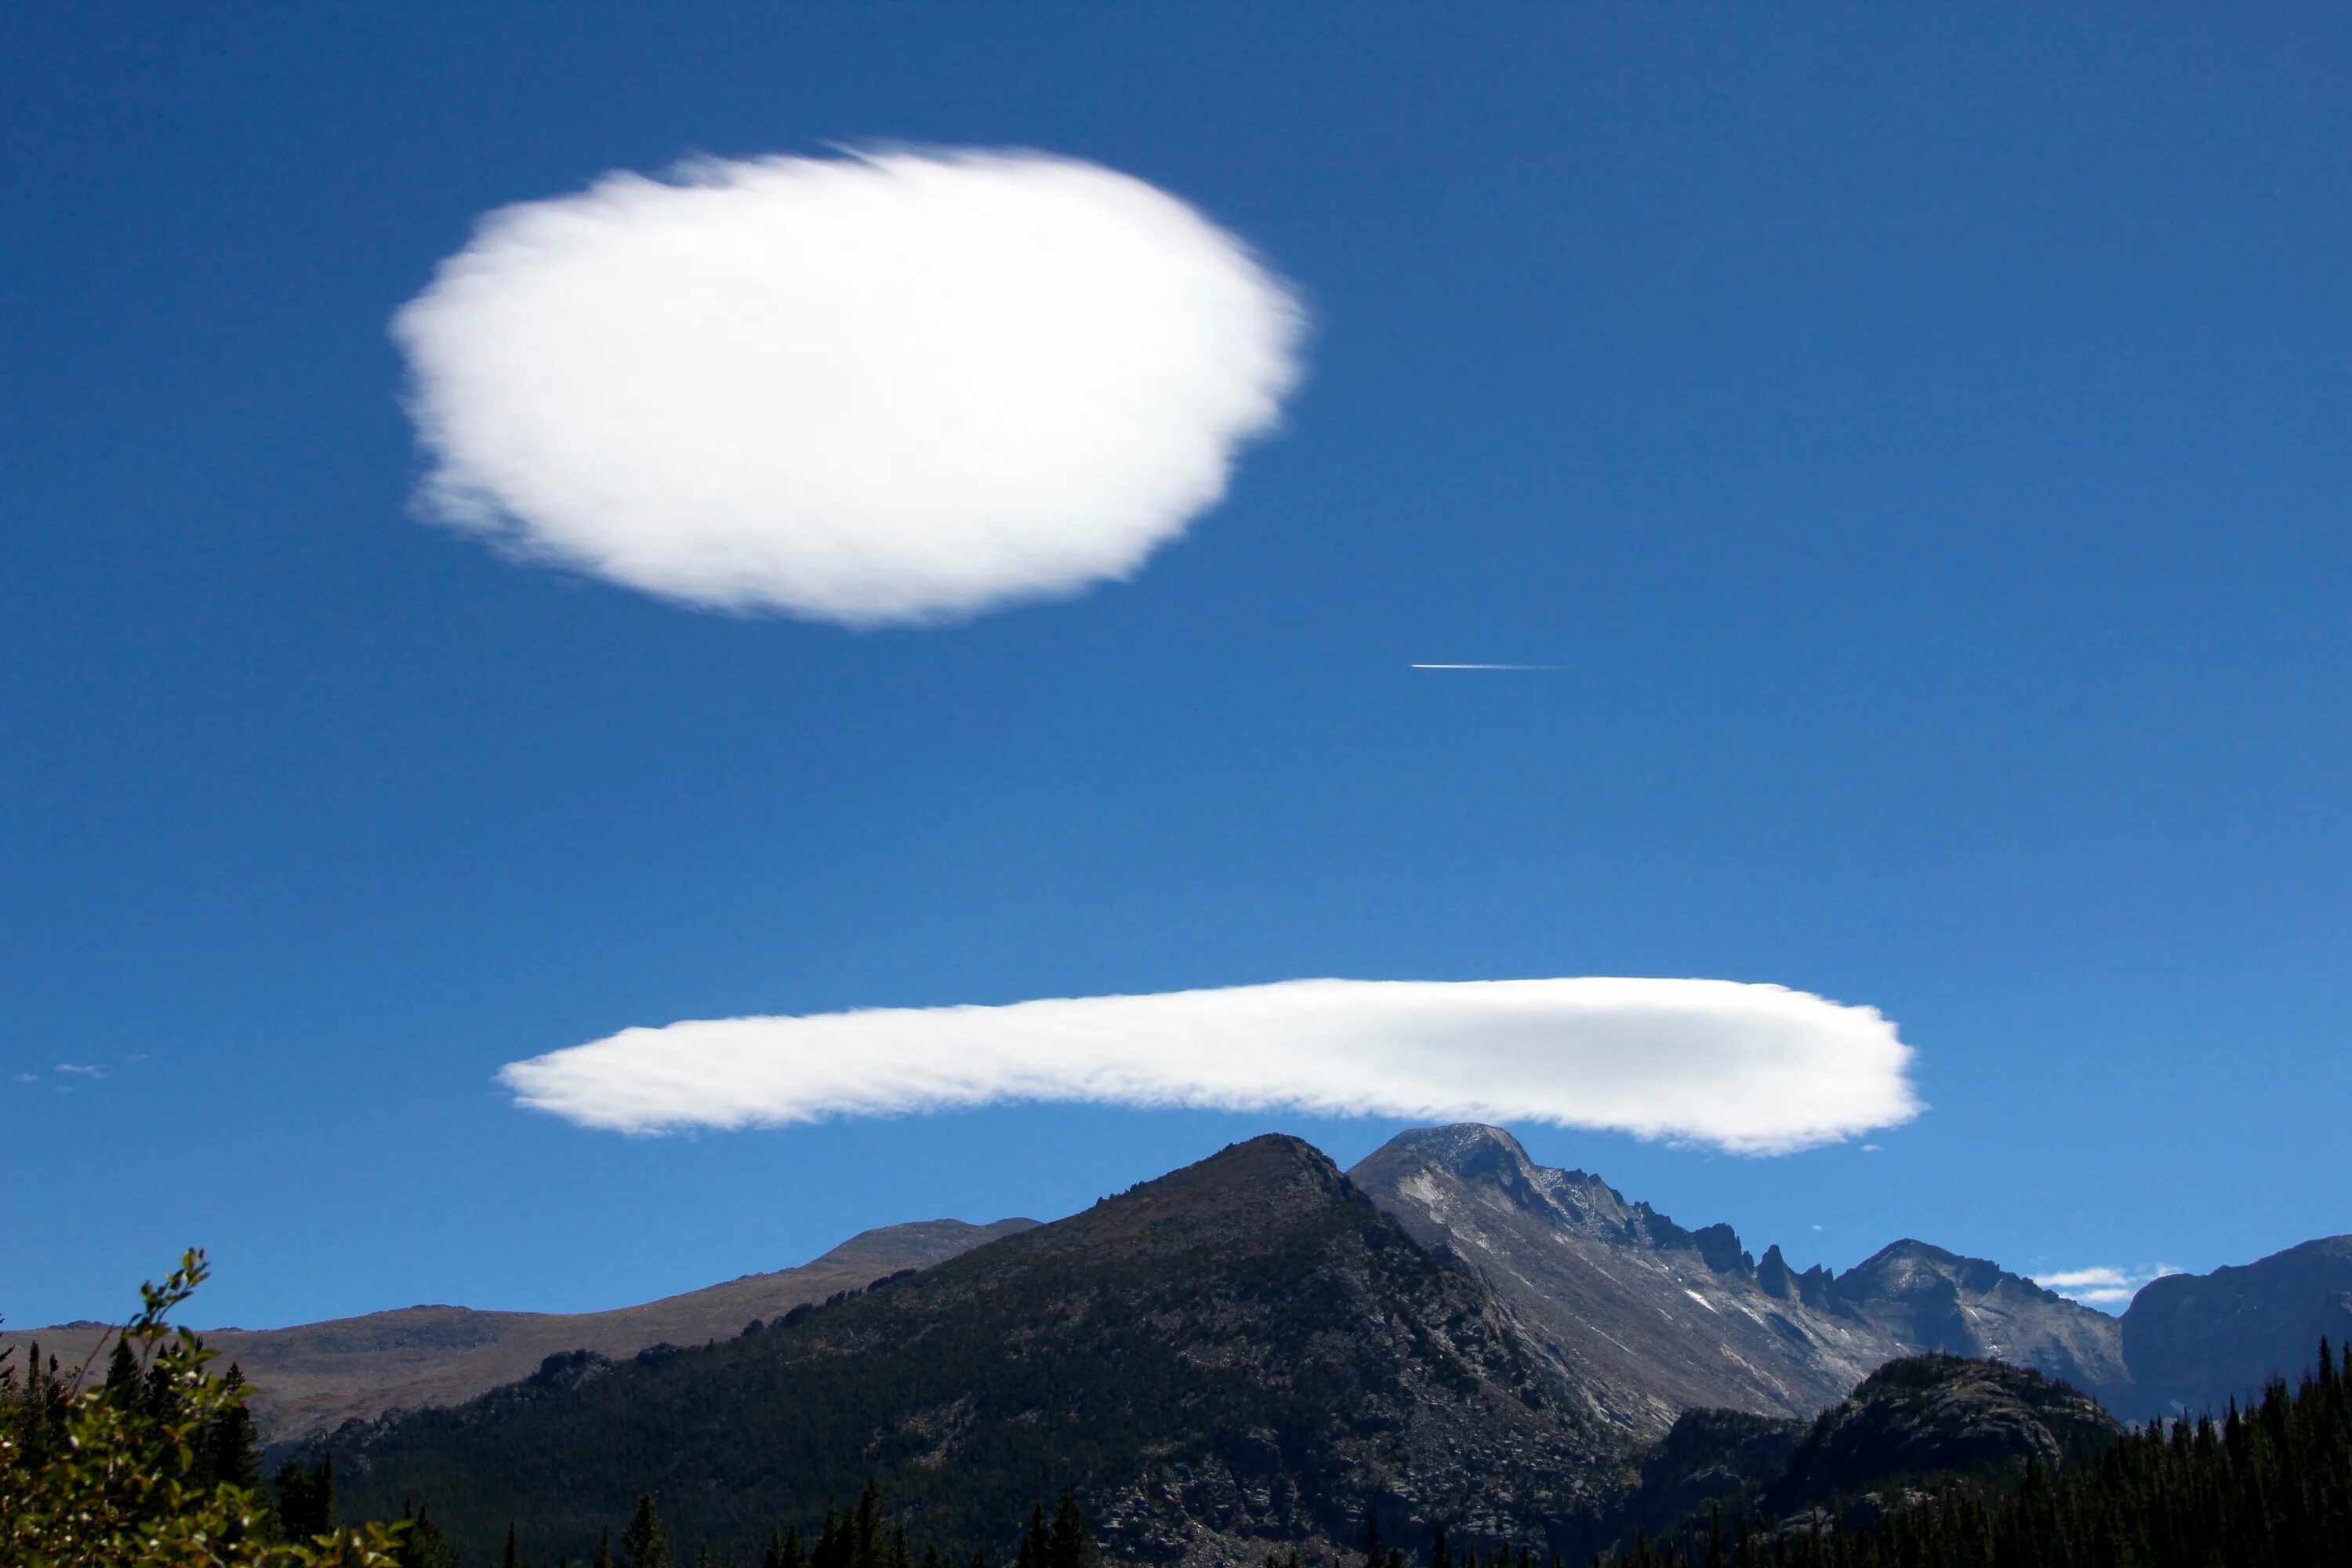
1753, 1069
903, 387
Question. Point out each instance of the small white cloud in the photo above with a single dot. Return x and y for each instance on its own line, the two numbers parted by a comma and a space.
901, 387
81, 1070
1752, 1068
2102, 1285
28, 1077
1873, 1149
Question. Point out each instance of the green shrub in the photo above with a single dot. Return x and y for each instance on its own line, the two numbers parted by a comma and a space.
151, 1468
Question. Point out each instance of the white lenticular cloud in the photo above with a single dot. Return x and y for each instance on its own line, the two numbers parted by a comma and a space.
2103, 1285
901, 387
1757, 1069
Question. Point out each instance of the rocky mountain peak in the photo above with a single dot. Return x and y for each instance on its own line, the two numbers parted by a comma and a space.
1227, 1359
1489, 1166
1651, 1318
1909, 1267
1267, 1168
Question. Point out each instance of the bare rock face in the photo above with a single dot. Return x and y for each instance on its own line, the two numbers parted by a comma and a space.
2197, 1341
1929, 1300
1943, 1416
1646, 1319
1914, 1431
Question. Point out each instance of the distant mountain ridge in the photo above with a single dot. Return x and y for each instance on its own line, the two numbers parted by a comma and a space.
2196, 1341
1257, 1352
1243, 1353
1636, 1318
1648, 1318
315, 1376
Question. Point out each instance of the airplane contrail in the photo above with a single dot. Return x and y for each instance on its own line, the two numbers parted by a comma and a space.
1489, 667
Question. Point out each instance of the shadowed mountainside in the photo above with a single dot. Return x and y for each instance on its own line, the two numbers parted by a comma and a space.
2197, 1341
316, 1377
1915, 1429
1242, 1355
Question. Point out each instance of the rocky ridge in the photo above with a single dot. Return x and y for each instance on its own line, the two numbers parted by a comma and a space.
2195, 1342
1646, 1319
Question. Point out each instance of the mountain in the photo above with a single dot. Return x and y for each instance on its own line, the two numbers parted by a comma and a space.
2195, 1342
316, 1377
1646, 1320
1915, 1428
1933, 1415
1242, 1355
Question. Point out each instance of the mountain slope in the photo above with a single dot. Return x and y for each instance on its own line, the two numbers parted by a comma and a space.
2197, 1341
1239, 1355
1646, 1319
315, 1376
1915, 1429
1931, 1300
1942, 1415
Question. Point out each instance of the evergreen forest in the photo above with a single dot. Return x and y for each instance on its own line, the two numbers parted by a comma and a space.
2269, 1486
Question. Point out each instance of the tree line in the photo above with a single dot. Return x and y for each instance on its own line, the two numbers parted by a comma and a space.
861, 1537
2267, 1486
155, 1464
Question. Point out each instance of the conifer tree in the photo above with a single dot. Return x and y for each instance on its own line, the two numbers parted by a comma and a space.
231, 1454
868, 1547
831, 1542
1036, 1546
1072, 1544
424, 1545
644, 1541
510, 1559
306, 1499
121, 1371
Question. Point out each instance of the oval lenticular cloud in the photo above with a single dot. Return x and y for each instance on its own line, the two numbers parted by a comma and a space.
1751, 1068
896, 388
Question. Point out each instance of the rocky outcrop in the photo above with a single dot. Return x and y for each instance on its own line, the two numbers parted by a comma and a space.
1911, 1432
1646, 1319
1926, 1420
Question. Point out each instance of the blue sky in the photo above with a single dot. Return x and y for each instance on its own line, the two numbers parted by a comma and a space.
1921, 439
